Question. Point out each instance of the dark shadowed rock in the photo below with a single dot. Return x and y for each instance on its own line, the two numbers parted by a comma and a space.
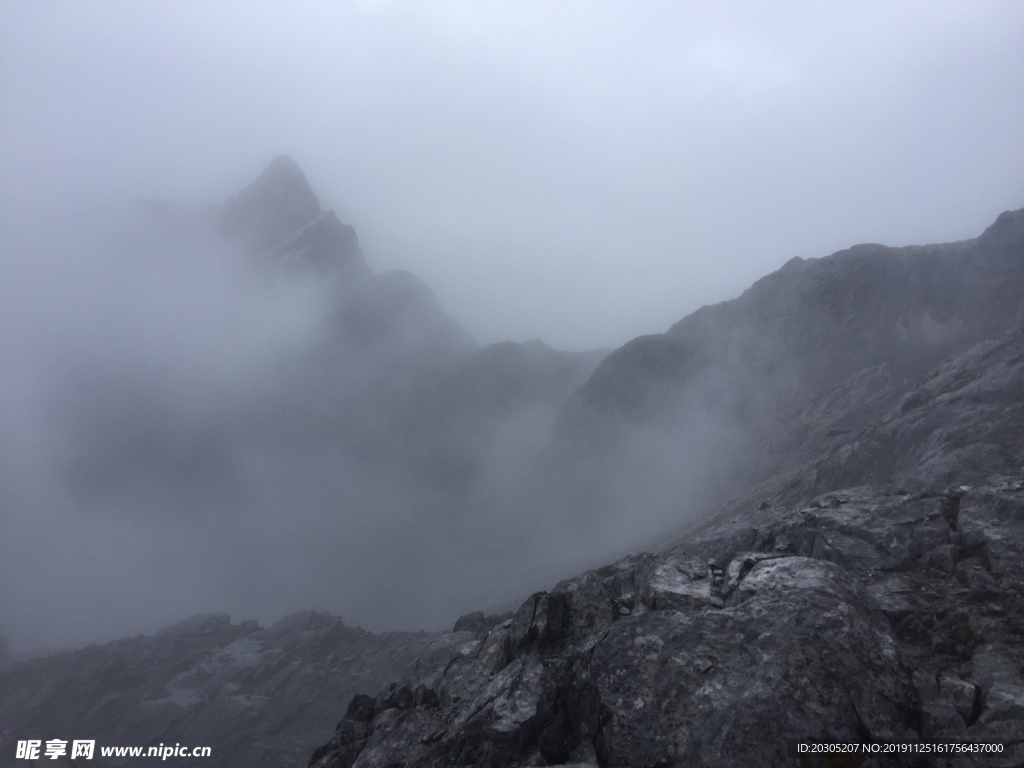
812, 633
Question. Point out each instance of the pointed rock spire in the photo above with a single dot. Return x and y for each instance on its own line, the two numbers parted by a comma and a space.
273, 207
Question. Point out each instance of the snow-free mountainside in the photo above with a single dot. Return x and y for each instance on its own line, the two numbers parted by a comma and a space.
798, 514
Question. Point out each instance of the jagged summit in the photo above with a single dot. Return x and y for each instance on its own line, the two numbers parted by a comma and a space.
284, 178
284, 166
272, 208
278, 217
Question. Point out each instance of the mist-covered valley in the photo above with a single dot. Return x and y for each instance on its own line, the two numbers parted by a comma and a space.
245, 418
223, 407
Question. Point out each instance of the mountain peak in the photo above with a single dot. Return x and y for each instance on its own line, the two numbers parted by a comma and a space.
271, 208
283, 163
285, 173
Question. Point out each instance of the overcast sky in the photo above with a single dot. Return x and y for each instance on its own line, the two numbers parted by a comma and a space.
580, 172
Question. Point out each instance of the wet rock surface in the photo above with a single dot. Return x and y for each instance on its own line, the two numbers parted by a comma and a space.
959, 424
865, 614
257, 697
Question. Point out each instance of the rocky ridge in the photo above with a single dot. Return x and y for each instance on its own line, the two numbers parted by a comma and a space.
807, 354
255, 696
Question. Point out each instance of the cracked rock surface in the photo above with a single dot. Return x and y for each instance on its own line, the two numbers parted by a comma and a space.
865, 614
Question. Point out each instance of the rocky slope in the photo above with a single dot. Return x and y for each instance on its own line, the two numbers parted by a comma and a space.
808, 354
961, 423
257, 697
867, 613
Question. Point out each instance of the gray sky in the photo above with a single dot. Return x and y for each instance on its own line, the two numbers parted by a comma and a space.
580, 172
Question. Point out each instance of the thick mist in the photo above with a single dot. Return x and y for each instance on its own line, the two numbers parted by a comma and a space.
126, 365
193, 419
191, 427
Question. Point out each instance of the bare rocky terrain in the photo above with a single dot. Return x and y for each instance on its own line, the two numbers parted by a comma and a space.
256, 696
866, 613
